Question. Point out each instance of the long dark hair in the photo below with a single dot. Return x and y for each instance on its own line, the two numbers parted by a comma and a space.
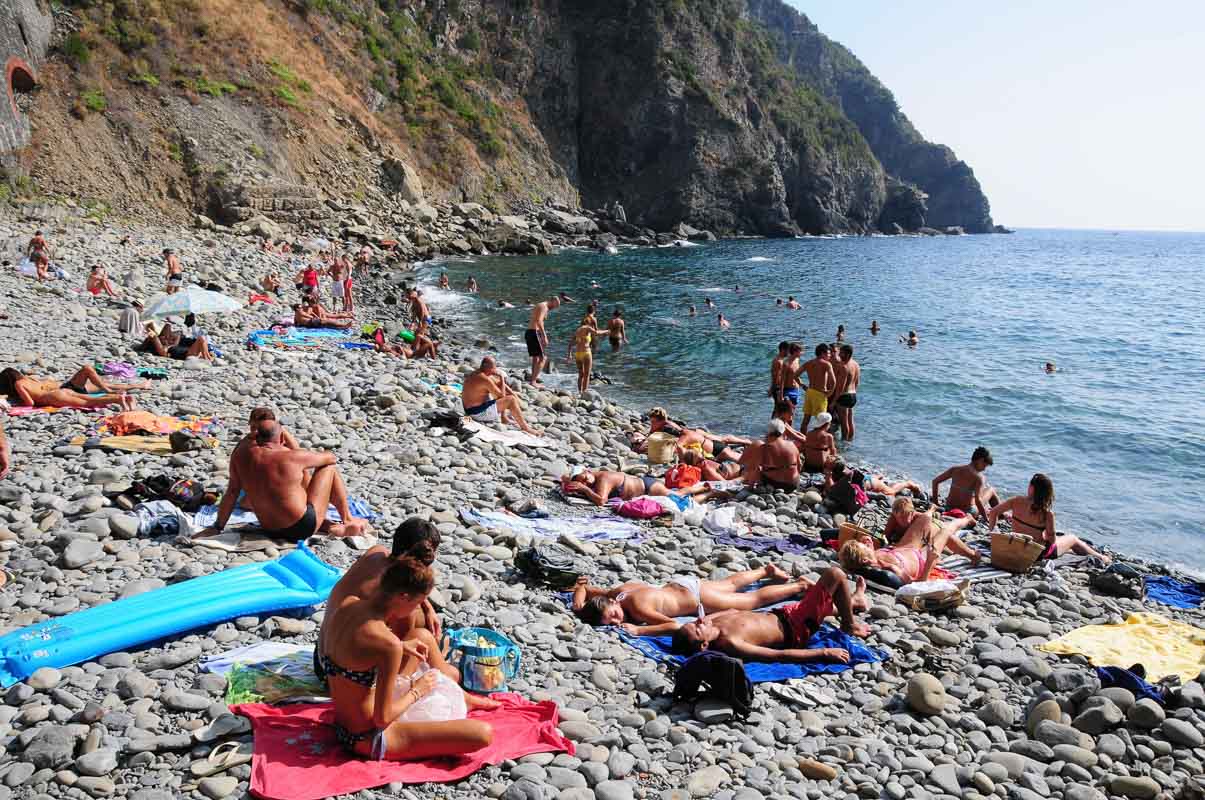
409, 577
1043, 494
8, 381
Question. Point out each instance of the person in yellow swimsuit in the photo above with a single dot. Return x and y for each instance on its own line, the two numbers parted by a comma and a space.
580, 349
821, 380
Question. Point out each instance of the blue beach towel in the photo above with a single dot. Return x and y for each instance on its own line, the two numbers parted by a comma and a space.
1172, 592
588, 529
658, 649
1116, 676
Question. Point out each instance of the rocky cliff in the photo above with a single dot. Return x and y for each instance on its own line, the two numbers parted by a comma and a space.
711, 113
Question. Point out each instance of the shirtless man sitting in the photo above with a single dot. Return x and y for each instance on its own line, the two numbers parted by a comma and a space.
774, 462
415, 538
312, 315
968, 486
644, 610
780, 634
487, 398
289, 503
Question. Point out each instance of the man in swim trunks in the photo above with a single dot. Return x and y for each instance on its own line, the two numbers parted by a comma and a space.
618, 330
487, 398
847, 390
790, 378
644, 610
773, 462
820, 383
537, 338
415, 538
819, 447
420, 312
968, 485
781, 634
776, 365
290, 503
175, 272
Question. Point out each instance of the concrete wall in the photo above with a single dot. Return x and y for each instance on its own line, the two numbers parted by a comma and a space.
25, 28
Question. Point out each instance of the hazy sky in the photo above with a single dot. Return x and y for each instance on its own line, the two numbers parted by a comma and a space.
1073, 113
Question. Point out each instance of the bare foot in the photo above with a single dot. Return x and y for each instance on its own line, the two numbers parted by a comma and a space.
773, 572
476, 701
804, 584
858, 628
858, 600
356, 527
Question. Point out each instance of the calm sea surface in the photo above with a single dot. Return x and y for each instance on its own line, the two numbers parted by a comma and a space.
1118, 427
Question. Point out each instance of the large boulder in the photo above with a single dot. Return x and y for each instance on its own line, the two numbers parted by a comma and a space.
402, 180
564, 222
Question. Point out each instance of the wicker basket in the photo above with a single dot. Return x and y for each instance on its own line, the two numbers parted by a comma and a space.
661, 448
1012, 552
849, 531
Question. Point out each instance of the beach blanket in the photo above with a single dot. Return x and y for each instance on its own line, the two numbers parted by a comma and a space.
960, 567
511, 438
592, 529
238, 540
297, 758
293, 338
241, 517
1175, 593
1163, 646
658, 649
155, 445
142, 422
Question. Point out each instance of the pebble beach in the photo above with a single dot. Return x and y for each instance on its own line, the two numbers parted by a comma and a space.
965, 705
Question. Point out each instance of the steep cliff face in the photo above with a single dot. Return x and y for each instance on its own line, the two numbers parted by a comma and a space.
954, 195
690, 112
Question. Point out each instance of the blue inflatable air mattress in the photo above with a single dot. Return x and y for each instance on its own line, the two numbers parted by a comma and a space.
297, 580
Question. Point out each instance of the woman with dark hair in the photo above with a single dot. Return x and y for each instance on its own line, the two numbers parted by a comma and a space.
27, 390
1032, 516
363, 658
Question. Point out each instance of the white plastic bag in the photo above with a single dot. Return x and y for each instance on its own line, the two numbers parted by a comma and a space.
721, 521
445, 702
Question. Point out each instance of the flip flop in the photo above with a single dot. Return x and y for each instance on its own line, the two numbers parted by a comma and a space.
223, 726
222, 758
802, 692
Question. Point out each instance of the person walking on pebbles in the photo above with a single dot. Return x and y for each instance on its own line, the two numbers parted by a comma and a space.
537, 338
487, 398
175, 272
287, 504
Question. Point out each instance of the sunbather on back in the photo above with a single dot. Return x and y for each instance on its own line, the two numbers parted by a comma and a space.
780, 634
916, 552
415, 538
643, 610
27, 390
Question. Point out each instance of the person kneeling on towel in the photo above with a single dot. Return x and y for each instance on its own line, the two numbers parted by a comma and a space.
782, 633
363, 659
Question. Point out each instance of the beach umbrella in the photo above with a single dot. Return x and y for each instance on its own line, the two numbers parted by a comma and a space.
193, 300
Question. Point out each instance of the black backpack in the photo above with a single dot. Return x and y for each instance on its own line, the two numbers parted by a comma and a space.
551, 564
712, 674
1119, 580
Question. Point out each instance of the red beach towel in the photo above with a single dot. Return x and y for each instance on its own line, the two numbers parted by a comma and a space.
297, 758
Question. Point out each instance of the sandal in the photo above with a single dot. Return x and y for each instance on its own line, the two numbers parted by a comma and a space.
222, 758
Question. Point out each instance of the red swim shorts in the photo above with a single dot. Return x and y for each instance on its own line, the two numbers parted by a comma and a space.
801, 620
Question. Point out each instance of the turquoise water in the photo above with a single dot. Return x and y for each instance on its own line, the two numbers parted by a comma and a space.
1118, 427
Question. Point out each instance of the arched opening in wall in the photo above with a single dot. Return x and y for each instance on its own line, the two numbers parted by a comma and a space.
20, 80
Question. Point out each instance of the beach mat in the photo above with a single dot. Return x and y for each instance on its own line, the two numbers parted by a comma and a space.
297, 580
244, 518
297, 757
511, 438
153, 445
1163, 646
587, 529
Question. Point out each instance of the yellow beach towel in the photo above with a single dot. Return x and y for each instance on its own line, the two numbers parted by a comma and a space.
1161, 645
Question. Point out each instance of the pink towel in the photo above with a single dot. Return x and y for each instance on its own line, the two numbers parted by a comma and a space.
297, 758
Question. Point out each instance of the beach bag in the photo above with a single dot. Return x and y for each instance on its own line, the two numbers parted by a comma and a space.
551, 564
715, 675
486, 659
640, 508
662, 448
1119, 580
849, 532
1012, 552
930, 596
185, 441
683, 476
187, 494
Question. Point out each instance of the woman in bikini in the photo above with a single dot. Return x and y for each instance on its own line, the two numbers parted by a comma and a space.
581, 350
1032, 517
99, 282
27, 390
363, 658
913, 557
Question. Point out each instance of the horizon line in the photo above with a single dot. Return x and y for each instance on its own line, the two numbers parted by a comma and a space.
1102, 230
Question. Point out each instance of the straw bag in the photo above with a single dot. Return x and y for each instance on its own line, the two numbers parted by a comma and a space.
661, 448
1012, 552
849, 531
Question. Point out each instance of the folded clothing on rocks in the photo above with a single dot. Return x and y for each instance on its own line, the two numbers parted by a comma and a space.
297, 756
1165, 647
593, 529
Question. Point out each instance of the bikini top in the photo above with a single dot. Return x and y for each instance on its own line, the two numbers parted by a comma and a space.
366, 677
1041, 529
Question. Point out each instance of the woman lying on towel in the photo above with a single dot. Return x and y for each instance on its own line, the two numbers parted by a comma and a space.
1032, 517
917, 551
600, 486
363, 660
27, 390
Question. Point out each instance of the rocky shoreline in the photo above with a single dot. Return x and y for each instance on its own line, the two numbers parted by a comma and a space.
965, 707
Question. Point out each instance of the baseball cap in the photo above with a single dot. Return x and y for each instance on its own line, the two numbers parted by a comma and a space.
823, 419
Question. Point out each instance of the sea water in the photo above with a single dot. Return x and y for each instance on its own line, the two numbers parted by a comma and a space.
1118, 426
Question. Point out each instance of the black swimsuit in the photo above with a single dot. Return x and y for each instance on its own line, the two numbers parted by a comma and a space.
300, 530
325, 668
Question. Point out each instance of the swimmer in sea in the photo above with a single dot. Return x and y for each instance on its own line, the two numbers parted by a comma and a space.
840, 333
874, 327
778, 302
691, 312
618, 330
1050, 368
707, 302
724, 324
443, 281
504, 304
793, 304
912, 341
